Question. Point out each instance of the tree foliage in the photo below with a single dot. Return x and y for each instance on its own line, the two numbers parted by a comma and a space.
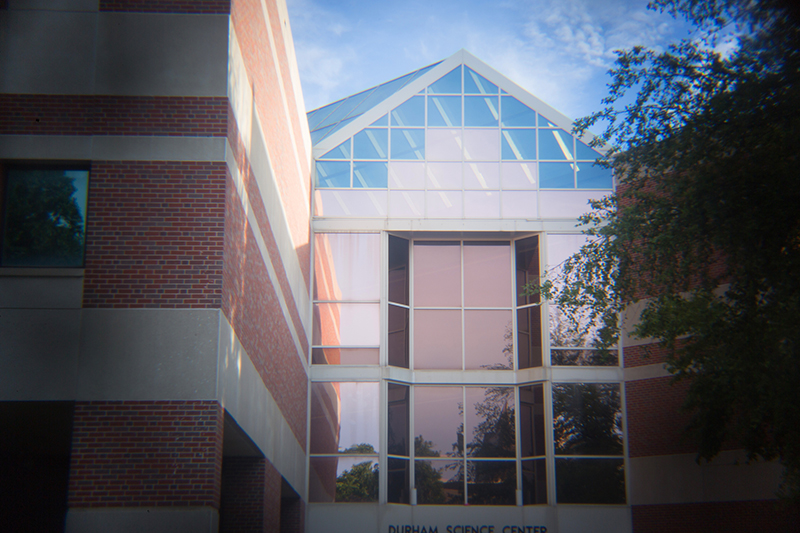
705, 225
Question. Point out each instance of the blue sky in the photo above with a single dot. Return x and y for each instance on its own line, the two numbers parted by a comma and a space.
559, 50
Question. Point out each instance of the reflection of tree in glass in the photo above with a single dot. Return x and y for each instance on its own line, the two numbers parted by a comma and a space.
573, 330
43, 224
587, 419
360, 483
427, 479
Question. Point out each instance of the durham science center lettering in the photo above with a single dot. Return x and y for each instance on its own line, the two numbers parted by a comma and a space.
407, 528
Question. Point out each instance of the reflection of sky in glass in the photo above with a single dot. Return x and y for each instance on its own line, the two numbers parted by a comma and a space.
353, 261
359, 420
437, 417
80, 179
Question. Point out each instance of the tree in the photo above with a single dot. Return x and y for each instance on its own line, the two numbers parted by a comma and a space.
360, 483
705, 226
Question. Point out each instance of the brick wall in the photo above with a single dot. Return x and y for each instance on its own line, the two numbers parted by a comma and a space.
250, 496
717, 517
44, 114
154, 235
293, 512
208, 7
645, 354
146, 453
655, 422
252, 307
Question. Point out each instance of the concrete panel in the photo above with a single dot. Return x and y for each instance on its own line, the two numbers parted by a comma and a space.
593, 519
148, 354
39, 354
47, 52
150, 519
41, 147
243, 394
646, 372
41, 292
165, 55
147, 148
679, 479
55, 5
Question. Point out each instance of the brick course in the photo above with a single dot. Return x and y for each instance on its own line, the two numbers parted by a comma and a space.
251, 495
716, 517
154, 235
656, 423
208, 7
146, 453
645, 354
42, 114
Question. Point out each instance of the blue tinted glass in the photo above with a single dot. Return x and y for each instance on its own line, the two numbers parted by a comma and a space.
450, 83
344, 109
319, 134
546, 123
383, 121
340, 152
444, 111
555, 144
410, 113
519, 144
333, 174
408, 144
593, 176
371, 144
583, 151
474, 83
370, 174
515, 114
480, 111
381, 93
556, 176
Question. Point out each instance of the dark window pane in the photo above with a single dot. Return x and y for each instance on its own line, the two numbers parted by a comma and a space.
490, 420
439, 482
345, 356
398, 270
590, 481
322, 479
531, 423
398, 336
587, 419
565, 357
45, 217
398, 479
438, 422
492, 482
534, 482
529, 337
397, 418
527, 267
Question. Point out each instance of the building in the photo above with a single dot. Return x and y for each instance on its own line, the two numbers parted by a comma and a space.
283, 322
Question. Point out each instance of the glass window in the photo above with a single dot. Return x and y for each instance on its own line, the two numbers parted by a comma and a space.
406, 175
481, 145
333, 174
490, 422
398, 481
529, 337
556, 175
519, 144
408, 143
370, 174
555, 145
443, 145
491, 482
444, 204
515, 114
398, 419
546, 122
488, 339
481, 176
587, 419
344, 418
44, 217
406, 204
437, 339
410, 113
345, 356
474, 83
347, 266
343, 479
397, 348
481, 111
371, 143
534, 482
439, 482
531, 423
340, 152
481, 204
593, 176
520, 204
438, 421
444, 111
437, 274
346, 324
450, 83
518, 176
487, 274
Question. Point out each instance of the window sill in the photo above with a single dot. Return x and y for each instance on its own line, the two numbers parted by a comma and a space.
41, 272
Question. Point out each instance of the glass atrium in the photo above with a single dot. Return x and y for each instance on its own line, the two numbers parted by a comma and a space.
436, 381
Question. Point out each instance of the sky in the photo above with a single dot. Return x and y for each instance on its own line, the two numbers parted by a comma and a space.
559, 50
